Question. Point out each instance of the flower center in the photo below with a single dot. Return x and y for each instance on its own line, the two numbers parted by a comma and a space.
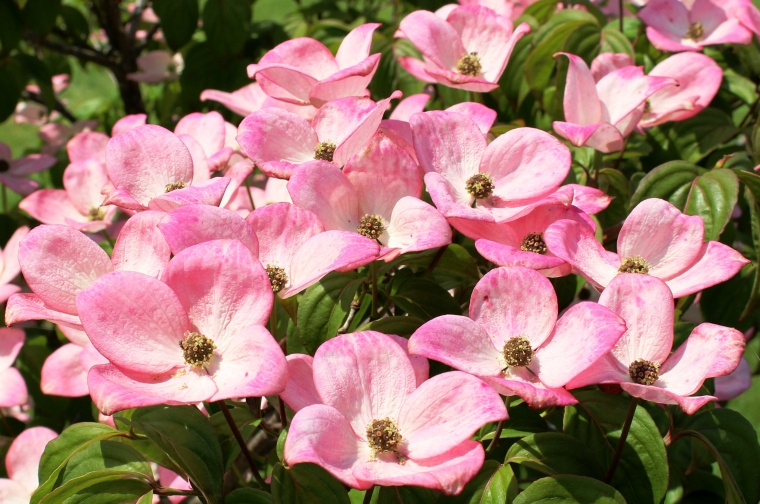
479, 185
383, 436
277, 277
635, 264
325, 151
517, 352
469, 65
96, 214
533, 242
644, 372
371, 226
695, 32
173, 186
4, 166
197, 349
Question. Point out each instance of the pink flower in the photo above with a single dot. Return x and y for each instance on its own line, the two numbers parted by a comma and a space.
22, 462
150, 167
352, 200
513, 340
503, 178
157, 66
297, 252
196, 336
468, 49
13, 392
698, 78
278, 141
601, 114
511, 9
56, 134
376, 426
9, 265
209, 132
690, 25
251, 98
656, 239
14, 172
304, 71
64, 372
641, 361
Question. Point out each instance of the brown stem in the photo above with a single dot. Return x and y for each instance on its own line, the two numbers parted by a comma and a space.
623, 437
59, 107
241, 443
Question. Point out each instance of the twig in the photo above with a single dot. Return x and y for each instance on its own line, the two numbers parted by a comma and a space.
59, 106
623, 437
241, 443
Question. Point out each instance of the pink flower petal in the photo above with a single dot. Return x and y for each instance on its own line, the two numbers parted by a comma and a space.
436, 39
51, 206
11, 341
84, 182
715, 263
300, 390
581, 101
243, 101
662, 396
327, 192
87, 146
14, 392
9, 265
531, 390
22, 307
483, 116
206, 129
415, 226
141, 246
63, 374
192, 224
350, 81
23, 458
409, 105
209, 192
128, 123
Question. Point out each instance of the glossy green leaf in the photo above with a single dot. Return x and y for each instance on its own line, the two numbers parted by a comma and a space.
642, 473
739, 85
566, 489
247, 496
189, 440
697, 137
246, 423
179, 20
323, 308
423, 298
523, 421
107, 456
305, 484
724, 303
670, 181
713, 197
733, 442
227, 24
406, 495
542, 10
99, 487
746, 404
59, 451
401, 325
494, 484
615, 42
40, 15
553, 453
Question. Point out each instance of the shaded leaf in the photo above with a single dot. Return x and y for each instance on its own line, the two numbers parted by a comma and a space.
566, 489
179, 20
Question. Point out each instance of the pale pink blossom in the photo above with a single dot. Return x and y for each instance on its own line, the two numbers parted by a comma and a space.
14, 173
366, 384
511, 9
9, 265
656, 239
602, 114
278, 141
56, 134
691, 25
64, 372
468, 49
351, 199
157, 66
22, 463
251, 98
210, 132
641, 361
513, 340
304, 71
297, 252
13, 391
214, 296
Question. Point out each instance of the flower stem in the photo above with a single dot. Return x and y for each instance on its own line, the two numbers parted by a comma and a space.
620, 20
241, 443
496, 436
368, 495
373, 279
248, 192
623, 437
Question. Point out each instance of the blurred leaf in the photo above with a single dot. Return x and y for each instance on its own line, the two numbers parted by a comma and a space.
566, 489
713, 197
642, 473
615, 42
494, 484
553, 453
739, 86
99, 487
697, 137
247, 496
179, 20
733, 442
40, 15
188, 438
422, 298
746, 403
75, 24
227, 23
38, 70
400, 326
756, 141
323, 308
12, 81
11, 27
542, 10
670, 181
306, 484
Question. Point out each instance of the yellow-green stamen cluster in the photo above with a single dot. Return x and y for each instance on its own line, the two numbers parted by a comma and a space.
277, 277
644, 372
383, 436
635, 264
479, 185
695, 32
197, 349
469, 64
96, 214
533, 242
517, 352
371, 226
173, 186
325, 151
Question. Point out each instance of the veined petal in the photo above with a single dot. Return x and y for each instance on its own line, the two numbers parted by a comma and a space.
662, 396
581, 101
51, 206
349, 81
141, 246
63, 374
189, 225
209, 192
14, 392
23, 458
715, 263
436, 39
415, 226
300, 390
323, 189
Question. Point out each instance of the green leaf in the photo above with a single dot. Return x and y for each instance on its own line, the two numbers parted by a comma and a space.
542, 10
422, 298
74, 23
615, 42
59, 451
40, 15
323, 308
733, 442
494, 484
713, 197
189, 440
245, 422
698, 136
11, 27
179, 20
642, 473
400, 326
523, 421
247, 496
12, 81
555, 453
107, 456
670, 181
566, 489
305, 484
746, 404
739, 86
99, 487
227, 23
406, 495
